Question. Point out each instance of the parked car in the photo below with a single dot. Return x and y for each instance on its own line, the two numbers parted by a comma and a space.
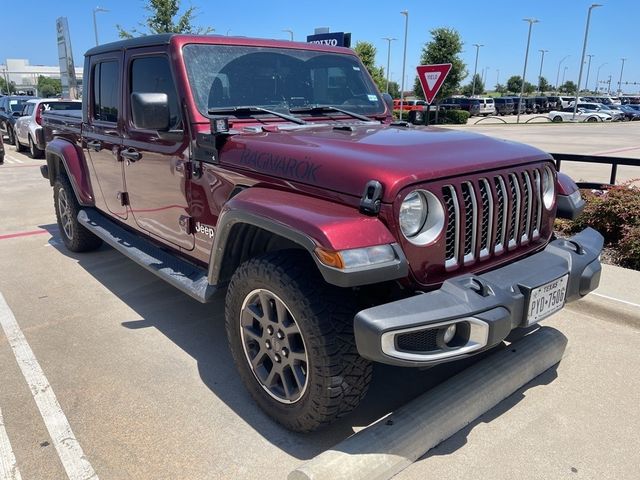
519, 105
630, 113
487, 106
555, 103
339, 238
582, 115
566, 101
504, 105
409, 105
616, 114
471, 105
543, 104
28, 127
10, 109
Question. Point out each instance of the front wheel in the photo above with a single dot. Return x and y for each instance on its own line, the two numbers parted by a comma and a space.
592, 119
74, 235
557, 118
291, 338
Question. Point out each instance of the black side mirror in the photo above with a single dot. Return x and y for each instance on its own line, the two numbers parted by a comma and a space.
388, 100
150, 111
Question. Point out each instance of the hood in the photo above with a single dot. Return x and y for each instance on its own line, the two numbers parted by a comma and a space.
344, 160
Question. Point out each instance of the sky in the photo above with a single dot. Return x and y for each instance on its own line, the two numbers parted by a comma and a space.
497, 24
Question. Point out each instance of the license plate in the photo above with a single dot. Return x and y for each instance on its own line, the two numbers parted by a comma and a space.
546, 299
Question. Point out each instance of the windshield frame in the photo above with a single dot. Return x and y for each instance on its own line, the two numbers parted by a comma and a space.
379, 109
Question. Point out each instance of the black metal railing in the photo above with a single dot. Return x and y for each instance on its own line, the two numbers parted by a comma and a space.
613, 161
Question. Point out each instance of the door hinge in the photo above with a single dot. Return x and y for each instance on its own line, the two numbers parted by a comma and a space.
124, 198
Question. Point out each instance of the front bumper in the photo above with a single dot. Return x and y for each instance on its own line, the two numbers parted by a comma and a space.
488, 306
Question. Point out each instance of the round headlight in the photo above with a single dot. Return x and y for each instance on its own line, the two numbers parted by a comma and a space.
413, 213
548, 188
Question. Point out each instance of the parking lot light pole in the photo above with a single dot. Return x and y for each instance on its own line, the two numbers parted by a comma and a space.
598, 76
620, 81
564, 72
586, 82
540, 74
475, 69
584, 51
290, 32
389, 40
404, 57
95, 23
497, 77
526, 58
558, 75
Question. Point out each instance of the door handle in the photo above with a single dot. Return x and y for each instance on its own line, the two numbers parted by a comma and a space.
131, 155
95, 145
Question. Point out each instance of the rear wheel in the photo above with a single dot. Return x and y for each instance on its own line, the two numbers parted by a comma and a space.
16, 141
557, 118
34, 151
291, 338
10, 136
592, 119
74, 235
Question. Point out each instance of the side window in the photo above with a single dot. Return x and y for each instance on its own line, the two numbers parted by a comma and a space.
153, 75
105, 91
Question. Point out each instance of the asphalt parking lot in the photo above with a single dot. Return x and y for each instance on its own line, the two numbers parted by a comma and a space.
143, 376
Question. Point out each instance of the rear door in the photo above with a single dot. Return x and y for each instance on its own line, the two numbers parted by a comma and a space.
101, 138
154, 163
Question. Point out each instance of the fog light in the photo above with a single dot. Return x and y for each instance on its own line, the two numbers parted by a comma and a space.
449, 333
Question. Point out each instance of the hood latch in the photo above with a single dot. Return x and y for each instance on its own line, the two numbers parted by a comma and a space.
371, 198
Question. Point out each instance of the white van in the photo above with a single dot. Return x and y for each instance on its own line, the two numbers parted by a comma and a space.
487, 106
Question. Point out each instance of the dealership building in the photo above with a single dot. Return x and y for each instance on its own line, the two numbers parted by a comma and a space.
25, 76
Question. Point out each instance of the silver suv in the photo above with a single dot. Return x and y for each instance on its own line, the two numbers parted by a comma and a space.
28, 128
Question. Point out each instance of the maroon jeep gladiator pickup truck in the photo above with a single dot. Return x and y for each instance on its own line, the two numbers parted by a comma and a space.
271, 171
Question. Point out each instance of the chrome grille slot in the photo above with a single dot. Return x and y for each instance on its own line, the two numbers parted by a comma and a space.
527, 201
501, 225
515, 202
487, 218
452, 235
538, 212
470, 221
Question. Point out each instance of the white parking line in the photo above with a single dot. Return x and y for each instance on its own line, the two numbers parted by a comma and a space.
71, 455
616, 299
8, 466
13, 160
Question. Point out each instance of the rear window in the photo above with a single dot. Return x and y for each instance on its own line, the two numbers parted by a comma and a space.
61, 106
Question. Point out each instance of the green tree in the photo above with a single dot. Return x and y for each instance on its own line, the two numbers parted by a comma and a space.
164, 18
514, 84
5, 89
568, 87
394, 89
543, 84
500, 88
49, 87
367, 53
445, 47
529, 88
479, 87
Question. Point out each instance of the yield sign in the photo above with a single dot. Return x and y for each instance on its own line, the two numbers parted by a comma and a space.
431, 78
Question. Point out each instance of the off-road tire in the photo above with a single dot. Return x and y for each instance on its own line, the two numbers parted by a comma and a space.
74, 235
34, 151
337, 376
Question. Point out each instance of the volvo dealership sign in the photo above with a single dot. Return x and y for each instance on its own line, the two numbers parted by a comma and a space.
334, 39
65, 59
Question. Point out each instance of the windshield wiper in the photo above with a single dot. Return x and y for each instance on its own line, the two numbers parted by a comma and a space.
249, 109
328, 108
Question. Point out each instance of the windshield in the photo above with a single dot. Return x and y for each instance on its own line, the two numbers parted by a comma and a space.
277, 79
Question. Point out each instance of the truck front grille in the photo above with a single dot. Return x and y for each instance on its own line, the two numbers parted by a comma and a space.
491, 214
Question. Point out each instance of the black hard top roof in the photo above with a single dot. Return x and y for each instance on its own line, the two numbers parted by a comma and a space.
145, 41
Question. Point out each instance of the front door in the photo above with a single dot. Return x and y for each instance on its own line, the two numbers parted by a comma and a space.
154, 164
102, 133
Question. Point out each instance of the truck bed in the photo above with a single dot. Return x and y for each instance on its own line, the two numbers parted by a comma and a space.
62, 123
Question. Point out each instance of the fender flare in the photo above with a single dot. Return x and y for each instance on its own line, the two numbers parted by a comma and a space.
310, 223
60, 152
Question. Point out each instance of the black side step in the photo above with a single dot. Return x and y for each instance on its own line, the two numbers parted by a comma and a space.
183, 275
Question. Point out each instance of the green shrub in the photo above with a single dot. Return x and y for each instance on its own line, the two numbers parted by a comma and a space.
628, 251
615, 213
